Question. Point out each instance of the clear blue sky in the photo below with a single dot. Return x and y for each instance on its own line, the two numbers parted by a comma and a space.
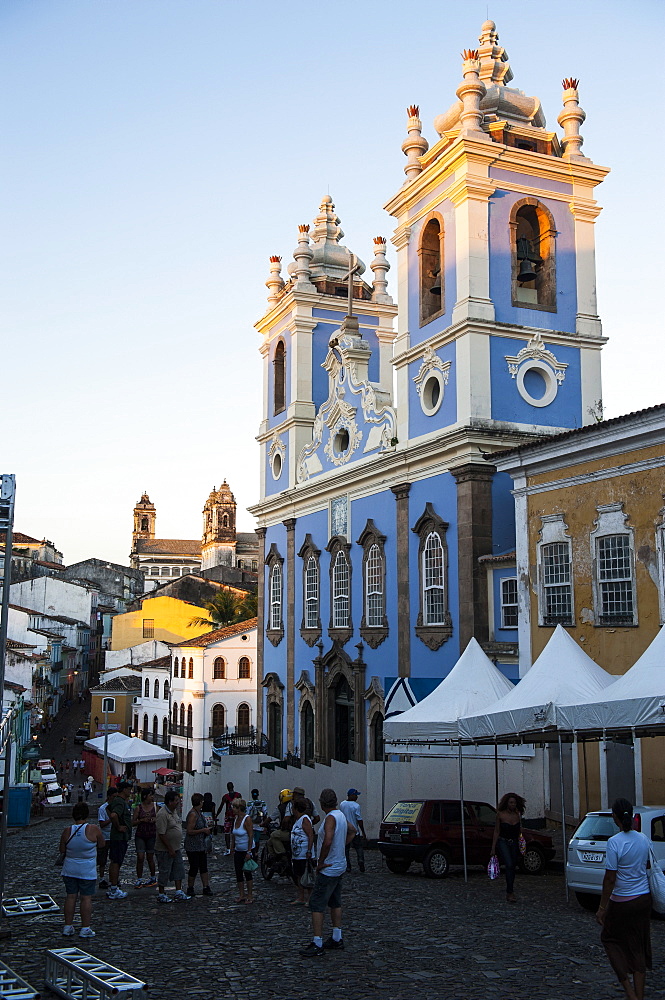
156, 152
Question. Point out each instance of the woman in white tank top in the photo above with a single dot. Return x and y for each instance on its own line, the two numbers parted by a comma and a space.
242, 837
79, 844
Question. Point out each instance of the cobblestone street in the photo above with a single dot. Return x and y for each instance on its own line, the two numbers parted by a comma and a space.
405, 936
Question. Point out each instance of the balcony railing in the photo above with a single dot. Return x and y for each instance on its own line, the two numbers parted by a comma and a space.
181, 731
243, 739
158, 741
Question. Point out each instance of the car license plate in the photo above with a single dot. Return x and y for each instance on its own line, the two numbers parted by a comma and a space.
592, 855
395, 837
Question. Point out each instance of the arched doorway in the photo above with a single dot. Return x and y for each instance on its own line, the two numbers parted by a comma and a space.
344, 721
307, 734
376, 736
275, 729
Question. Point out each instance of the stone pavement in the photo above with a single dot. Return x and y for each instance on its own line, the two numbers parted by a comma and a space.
407, 937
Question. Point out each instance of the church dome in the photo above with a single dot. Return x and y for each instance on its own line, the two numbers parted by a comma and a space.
330, 259
500, 102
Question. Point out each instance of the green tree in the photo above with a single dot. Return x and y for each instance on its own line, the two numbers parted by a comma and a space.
227, 608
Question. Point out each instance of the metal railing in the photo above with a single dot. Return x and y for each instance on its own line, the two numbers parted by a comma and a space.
181, 731
246, 739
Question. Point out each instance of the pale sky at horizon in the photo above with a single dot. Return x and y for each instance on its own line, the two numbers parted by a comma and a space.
155, 155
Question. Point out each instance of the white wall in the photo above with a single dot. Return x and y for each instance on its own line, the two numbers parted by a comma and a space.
53, 597
421, 777
151, 649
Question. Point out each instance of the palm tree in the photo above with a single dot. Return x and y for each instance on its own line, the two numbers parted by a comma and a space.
227, 608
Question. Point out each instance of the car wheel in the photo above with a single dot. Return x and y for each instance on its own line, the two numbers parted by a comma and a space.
398, 866
436, 863
588, 901
533, 861
266, 869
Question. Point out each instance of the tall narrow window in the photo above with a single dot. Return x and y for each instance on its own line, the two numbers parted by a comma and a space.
190, 670
155, 729
509, 602
148, 628
274, 591
374, 624
145, 727
146, 688
243, 668
533, 256
279, 377
557, 589
311, 593
217, 720
243, 719
175, 714
433, 581
176, 667
341, 595
276, 597
189, 720
165, 731
219, 669
166, 690
310, 626
434, 624
612, 544
181, 719
155, 692
430, 252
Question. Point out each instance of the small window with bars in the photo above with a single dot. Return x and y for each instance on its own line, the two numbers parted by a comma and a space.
509, 602
148, 628
615, 580
557, 591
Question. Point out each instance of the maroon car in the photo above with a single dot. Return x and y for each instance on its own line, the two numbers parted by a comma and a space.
429, 831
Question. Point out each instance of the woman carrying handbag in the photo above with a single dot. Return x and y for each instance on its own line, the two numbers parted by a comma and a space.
242, 834
302, 851
507, 837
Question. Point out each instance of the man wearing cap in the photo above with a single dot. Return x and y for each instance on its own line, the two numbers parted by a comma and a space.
351, 809
299, 793
327, 891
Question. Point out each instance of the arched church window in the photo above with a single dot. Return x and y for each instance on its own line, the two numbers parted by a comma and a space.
156, 688
243, 668
145, 727
175, 714
311, 593
243, 719
144, 524
374, 624
166, 690
219, 668
181, 717
176, 667
274, 596
310, 626
434, 624
430, 253
190, 669
217, 719
146, 688
165, 731
155, 729
279, 377
341, 591
190, 719
533, 256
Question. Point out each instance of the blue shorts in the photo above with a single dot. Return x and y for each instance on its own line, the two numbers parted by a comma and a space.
79, 886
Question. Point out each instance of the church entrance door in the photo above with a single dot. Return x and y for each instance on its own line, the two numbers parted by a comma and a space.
344, 721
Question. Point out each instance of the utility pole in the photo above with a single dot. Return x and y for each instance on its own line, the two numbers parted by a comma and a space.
7, 493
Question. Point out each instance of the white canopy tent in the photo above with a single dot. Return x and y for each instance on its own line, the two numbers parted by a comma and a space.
562, 674
635, 701
472, 685
123, 750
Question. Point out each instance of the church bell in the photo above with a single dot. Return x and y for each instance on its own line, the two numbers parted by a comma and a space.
527, 272
436, 287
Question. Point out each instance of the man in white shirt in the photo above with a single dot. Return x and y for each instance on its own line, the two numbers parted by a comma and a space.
351, 809
327, 891
104, 822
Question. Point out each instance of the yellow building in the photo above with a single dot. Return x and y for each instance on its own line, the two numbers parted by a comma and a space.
165, 618
117, 696
590, 520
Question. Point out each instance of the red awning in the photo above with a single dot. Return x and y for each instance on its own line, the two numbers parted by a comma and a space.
163, 771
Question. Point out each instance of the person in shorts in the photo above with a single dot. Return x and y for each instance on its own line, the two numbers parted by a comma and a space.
144, 819
104, 824
170, 865
79, 843
327, 891
302, 847
121, 834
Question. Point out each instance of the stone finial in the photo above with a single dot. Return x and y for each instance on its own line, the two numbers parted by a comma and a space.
380, 266
471, 92
326, 223
275, 282
570, 120
414, 146
494, 65
302, 256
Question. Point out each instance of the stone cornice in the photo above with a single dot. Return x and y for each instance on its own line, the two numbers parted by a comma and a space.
454, 447
470, 188
510, 331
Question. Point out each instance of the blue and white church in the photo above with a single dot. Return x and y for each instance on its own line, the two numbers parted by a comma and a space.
388, 537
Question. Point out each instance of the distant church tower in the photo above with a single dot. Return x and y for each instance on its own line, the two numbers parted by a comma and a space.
145, 516
219, 528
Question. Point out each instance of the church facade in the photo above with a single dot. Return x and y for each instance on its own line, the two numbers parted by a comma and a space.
162, 559
387, 535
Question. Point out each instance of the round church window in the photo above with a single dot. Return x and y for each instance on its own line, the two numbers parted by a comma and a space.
276, 466
431, 395
536, 383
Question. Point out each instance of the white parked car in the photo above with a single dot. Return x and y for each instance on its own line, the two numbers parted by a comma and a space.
585, 862
48, 774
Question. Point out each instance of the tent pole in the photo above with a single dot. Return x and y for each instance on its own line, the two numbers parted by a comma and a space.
383, 784
461, 802
637, 764
586, 778
496, 773
604, 794
563, 817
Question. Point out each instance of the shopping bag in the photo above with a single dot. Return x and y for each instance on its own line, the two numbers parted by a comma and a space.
493, 868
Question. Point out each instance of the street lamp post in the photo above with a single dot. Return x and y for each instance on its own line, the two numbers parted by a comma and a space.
107, 704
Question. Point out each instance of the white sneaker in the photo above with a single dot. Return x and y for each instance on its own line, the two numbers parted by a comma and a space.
139, 883
163, 898
180, 895
116, 893
68, 930
225, 852
86, 932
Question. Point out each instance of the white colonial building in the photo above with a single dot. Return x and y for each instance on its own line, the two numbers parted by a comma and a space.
151, 709
213, 694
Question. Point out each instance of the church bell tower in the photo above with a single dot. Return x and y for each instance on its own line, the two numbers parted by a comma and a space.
219, 528
145, 516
